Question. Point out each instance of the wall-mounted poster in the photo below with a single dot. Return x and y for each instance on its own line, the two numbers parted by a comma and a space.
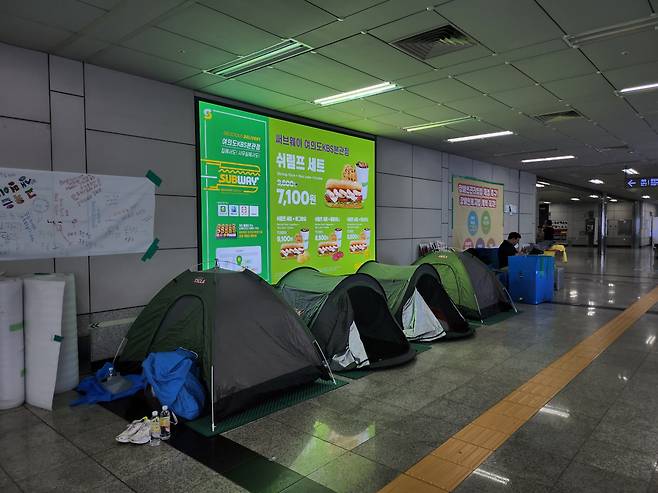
276, 195
477, 208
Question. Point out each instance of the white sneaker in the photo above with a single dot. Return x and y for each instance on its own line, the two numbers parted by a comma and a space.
130, 430
143, 434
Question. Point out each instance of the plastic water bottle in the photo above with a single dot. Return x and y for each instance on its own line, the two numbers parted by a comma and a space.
155, 429
165, 423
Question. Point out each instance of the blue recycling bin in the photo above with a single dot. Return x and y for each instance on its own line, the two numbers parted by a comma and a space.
531, 278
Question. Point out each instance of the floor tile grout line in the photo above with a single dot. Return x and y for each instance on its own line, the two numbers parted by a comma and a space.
612, 330
80, 449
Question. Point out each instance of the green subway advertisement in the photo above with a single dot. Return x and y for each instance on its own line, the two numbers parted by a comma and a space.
277, 195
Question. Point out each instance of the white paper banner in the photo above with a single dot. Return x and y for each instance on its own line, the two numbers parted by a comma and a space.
46, 214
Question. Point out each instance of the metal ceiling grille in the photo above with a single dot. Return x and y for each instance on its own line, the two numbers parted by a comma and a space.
439, 41
560, 116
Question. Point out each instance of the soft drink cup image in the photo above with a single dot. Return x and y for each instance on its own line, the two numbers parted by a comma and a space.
362, 172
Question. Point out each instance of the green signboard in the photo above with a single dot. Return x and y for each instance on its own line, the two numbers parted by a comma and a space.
276, 195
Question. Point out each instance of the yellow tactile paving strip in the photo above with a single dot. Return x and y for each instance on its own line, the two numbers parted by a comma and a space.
447, 466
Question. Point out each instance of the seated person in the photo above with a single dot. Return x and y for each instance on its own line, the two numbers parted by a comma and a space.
508, 249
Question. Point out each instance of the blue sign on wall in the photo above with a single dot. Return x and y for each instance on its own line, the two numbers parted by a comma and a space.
644, 182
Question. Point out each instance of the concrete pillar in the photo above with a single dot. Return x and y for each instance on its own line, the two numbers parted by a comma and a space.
603, 226
636, 225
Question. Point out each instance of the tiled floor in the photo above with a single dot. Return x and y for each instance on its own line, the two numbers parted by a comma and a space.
600, 433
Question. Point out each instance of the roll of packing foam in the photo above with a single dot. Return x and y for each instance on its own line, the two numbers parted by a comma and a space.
12, 346
68, 375
43, 301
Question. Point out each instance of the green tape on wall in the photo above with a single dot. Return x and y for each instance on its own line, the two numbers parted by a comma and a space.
16, 327
57, 338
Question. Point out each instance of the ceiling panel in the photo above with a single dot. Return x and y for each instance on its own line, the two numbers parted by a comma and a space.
170, 46
363, 109
533, 50
494, 79
199, 81
29, 34
445, 90
216, 29
495, 28
373, 17
474, 127
135, 62
435, 113
624, 51
343, 8
104, 4
561, 64
478, 106
583, 88
645, 102
70, 15
251, 94
284, 83
589, 133
636, 75
533, 100
373, 56
285, 18
328, 115
585, 15
323, 70
81, 47
401, 100
399, 120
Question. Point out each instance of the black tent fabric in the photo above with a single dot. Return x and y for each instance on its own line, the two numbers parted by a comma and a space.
331, 305
250, 343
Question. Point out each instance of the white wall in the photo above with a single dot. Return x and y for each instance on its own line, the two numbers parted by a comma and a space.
649, 211
62, 115
414, 198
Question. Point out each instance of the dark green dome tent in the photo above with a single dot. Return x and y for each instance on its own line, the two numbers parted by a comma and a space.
250, 343
418, 301
348, 317
470, 284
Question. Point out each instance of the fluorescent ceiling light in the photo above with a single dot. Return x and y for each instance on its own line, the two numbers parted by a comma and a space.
630, 171
544, 202
259, 59
545, 183
608, 32
425, 126
613, 200
575, 199
540, 185
646, 196
593, 196
356, 94
596, 181
553, 158
645, 87
480, 136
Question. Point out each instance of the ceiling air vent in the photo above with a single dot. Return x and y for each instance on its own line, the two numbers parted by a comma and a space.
560, 116
439, 41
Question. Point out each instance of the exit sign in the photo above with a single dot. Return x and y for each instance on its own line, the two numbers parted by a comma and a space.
641, 182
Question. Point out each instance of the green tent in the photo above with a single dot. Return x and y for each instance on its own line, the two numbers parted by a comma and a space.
349, 318
470, 283
418, 301
250, 343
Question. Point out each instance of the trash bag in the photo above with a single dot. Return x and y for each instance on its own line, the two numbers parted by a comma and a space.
174, 377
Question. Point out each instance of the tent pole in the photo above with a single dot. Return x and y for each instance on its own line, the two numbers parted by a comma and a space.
478, 305
212, 397
510, 299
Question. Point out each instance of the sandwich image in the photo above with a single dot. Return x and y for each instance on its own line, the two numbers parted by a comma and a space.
291, 250
327, 248
343, 193
358, 246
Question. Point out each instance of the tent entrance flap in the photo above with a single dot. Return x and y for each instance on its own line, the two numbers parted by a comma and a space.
355, 355
418, 321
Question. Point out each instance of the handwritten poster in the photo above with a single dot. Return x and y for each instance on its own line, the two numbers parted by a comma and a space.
477, 213
46, 214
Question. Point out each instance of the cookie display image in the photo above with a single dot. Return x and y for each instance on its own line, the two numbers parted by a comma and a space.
291, 250
343, 193
226, 231
358, 246
349, 172
327, 248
